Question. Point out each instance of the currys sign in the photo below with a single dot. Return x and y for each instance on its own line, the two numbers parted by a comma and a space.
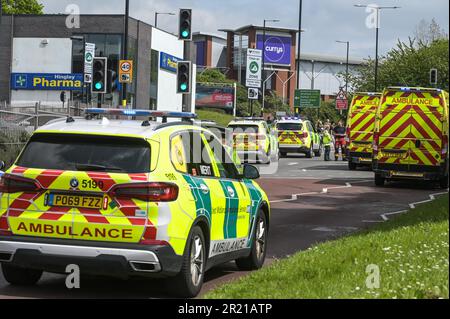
277, 49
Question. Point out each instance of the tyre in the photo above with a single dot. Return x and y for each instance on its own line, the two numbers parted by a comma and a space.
18, 276
352, 166
188, 283
379, 180
310, 153
443, 182
259, 247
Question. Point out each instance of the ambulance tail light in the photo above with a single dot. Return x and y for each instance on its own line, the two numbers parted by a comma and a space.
347, 137
150, 192
376, 141
16, 184
444, 151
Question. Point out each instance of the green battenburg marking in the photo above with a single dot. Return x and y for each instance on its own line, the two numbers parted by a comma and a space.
202, 200
231, 210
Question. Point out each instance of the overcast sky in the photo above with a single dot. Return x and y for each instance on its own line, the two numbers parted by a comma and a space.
324, 20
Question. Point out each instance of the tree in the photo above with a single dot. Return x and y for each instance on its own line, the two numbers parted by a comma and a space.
428, 32
22, 7
408, 64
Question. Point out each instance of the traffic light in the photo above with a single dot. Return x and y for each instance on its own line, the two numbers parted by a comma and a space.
99, 77
185, 26
112, 81
184, 77
433, 76
62, 96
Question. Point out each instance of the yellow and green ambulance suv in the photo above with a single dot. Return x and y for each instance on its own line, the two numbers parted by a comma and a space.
126, 198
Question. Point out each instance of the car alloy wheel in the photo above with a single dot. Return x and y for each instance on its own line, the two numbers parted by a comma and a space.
260, 239
197, 260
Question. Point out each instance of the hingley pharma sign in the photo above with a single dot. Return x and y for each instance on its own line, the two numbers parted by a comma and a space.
47, 81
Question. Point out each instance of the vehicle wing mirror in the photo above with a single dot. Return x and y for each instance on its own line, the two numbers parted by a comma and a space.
250, 172
2, 165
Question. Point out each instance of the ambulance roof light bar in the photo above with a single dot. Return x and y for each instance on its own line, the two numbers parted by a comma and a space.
140, 113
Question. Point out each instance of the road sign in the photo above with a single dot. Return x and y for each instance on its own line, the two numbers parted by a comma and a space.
89, 55
126, 71
341, 100
307, 99
254, 68
253, 94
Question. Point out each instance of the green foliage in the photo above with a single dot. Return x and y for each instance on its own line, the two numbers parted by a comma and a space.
22, 7
217, 116
408, 64
326, 112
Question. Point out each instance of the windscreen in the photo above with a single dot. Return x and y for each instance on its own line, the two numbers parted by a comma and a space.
290, 126
86, 153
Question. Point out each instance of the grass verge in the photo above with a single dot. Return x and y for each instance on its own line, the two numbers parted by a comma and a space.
411, 252
219, 117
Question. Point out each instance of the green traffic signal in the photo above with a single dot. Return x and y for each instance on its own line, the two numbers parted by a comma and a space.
185, 34
98, 86
183, 87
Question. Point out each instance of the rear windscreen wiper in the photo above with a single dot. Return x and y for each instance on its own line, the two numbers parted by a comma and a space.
96, 168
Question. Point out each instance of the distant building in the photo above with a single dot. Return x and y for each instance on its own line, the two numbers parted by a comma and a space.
36, 48
317, 71
211, 51
321, 72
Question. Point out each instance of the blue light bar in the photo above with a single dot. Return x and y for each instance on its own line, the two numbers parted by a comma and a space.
140, 113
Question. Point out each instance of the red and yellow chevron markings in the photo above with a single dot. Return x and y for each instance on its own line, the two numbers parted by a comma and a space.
362, 122
30, 209
411, 128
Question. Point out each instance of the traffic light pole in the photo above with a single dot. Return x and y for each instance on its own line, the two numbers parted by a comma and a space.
187, 98
125, 49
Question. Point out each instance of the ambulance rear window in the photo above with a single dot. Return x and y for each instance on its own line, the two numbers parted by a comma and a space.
244, 128
86, 153
290, 126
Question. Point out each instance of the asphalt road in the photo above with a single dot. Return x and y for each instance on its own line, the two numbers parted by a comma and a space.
312, 201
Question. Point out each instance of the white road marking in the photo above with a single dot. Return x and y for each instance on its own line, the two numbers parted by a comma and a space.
292, 164
413, 205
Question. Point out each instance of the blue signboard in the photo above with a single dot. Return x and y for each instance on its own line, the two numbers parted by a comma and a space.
47, 81
277, 49
168, 62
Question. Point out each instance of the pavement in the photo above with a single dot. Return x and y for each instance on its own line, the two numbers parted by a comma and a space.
312, 202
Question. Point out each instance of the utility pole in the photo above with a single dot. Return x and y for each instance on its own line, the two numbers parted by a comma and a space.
347, 74
300, 14
377, 26
125, 49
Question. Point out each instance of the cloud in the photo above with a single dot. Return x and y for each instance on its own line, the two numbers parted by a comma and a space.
324, 20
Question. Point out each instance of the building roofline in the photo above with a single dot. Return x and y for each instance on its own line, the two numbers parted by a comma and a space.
246, 29
330, 58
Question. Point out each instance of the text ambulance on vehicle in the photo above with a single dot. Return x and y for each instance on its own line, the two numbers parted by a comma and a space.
128, 198
296, 135
411, 136
253, 140
360, 129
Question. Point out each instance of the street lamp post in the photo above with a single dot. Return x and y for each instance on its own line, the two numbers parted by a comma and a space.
346, 66
377, 9
161, 13
299, 42
264, 58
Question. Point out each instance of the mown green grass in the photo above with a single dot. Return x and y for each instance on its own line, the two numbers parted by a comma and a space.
411, 251
219, 117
